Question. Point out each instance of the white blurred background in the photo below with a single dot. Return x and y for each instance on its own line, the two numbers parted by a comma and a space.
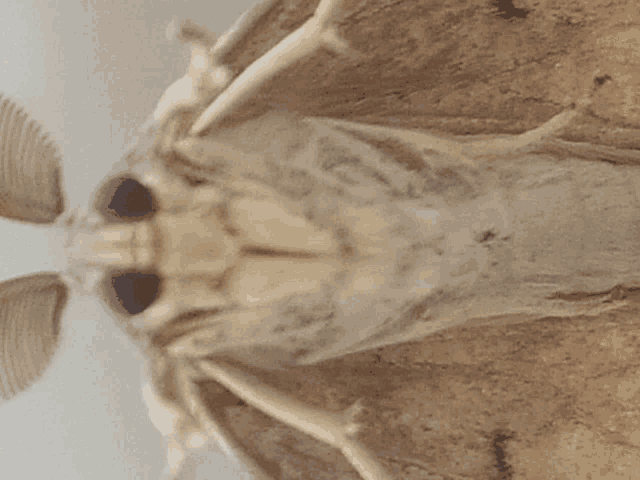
90, 72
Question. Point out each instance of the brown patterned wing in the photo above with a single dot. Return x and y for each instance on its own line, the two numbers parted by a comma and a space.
30, 173
459, 68
30, 312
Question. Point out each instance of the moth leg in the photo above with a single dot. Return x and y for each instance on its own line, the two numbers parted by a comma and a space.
239, 29
186, 376
593, 152
207, 75
313, 34
188, 31
177, 299
204, 78
337, 430
202, 82
166, 418
420, 141
187, 425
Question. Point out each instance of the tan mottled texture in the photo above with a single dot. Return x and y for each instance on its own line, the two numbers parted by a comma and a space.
550, 398
534, 376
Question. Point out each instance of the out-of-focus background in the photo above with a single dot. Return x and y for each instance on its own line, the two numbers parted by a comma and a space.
90, 72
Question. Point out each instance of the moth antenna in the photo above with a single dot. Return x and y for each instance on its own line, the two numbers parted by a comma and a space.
312, 35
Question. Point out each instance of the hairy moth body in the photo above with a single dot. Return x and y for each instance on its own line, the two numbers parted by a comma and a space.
329, 245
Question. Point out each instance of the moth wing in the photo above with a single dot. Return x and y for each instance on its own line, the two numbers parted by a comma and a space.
429, 76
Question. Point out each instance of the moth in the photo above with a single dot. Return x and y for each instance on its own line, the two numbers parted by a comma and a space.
228, 238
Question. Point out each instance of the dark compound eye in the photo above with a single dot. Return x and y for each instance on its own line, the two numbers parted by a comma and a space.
131, 200
135, 291
126, 199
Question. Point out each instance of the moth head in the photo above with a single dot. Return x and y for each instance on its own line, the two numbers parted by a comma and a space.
107, 245
92, 249
109, 249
